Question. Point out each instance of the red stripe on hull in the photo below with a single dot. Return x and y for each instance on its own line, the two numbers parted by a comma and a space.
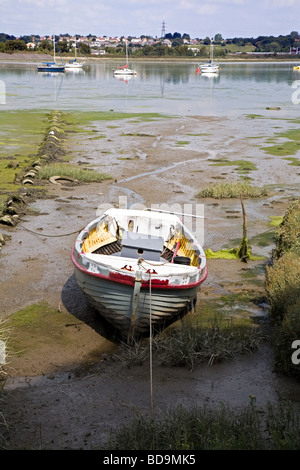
129, 280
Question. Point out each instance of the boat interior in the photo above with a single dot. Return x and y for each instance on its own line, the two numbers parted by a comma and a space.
131, 238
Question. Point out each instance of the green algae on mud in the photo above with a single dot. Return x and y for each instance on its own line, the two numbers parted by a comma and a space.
243, 166
294, 161
81, 118
181, 143
284, 143
232, 253
276, 220
289, 146
38, 321
20, 134
24, 134
36, 324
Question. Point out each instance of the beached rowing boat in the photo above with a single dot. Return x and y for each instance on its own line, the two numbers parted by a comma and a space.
139, 267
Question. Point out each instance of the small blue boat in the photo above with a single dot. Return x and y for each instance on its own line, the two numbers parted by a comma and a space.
51, 66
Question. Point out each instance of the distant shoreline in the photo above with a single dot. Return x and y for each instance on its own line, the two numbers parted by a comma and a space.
38, 57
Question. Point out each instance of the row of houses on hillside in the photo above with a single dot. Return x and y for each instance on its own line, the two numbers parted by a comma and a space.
97, 43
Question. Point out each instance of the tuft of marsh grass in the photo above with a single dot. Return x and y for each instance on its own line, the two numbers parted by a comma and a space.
231, 190
207, 428
194, 342
71, 171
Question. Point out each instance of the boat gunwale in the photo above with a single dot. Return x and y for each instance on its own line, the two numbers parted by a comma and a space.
130, 280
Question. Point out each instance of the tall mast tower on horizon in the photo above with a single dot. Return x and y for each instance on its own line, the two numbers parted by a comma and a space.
163, 30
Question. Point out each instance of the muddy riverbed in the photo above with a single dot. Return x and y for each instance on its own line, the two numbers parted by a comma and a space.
66, 388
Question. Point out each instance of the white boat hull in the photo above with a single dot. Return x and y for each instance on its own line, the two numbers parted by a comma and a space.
74, 65
114, 301
125, 72
209, 68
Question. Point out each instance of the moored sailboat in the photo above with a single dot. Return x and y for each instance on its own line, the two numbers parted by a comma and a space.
51, 66
125, 69
211, 66
75, 63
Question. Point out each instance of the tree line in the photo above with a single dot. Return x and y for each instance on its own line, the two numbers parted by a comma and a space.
181, 44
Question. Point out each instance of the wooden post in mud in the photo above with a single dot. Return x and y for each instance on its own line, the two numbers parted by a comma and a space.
244, 248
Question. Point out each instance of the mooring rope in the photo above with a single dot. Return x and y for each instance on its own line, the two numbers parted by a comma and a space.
45, 235
150, 352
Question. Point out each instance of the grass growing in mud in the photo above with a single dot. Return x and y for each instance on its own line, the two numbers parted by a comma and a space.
196, 343
72, 171
205, 428
197, 338
231, 190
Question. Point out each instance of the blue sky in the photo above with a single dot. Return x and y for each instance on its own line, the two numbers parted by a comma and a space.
199, 18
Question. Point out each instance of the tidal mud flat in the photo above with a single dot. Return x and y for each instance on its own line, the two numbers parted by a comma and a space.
66, 389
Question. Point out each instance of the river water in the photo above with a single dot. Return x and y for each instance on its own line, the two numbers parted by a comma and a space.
160, 87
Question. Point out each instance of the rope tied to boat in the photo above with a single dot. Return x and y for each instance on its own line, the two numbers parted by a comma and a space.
150, 345
142, 260
45, 235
